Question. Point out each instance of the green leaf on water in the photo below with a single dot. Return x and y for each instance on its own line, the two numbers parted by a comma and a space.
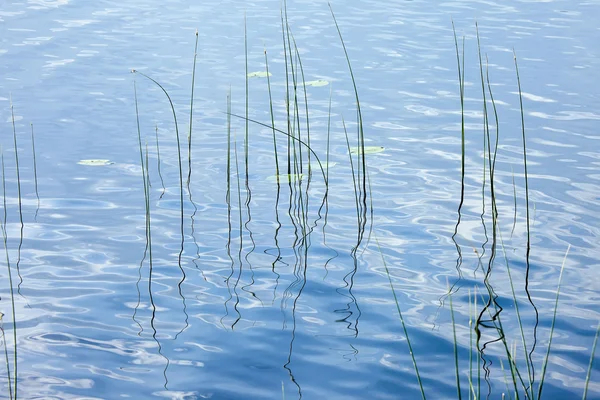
368, 150
259, 74
317, 83
95, 162
285, 178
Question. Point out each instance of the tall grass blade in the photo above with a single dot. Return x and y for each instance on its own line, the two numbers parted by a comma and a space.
35, 178
456, 366
12, 113
361, 136
14, 388
461, 85
189, 177
545, 362
146, 205
272, 118
179, 264
162, 182
410, 349
591, 365
527, 266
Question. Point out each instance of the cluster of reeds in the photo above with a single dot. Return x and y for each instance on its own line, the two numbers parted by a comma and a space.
12, 370
297, 164
297, 167
522, 379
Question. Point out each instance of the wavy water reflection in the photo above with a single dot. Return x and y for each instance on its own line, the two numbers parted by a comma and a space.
277, 292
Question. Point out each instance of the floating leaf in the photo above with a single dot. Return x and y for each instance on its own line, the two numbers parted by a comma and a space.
95, 162
317, 83
259, 74
368, 150
285, 178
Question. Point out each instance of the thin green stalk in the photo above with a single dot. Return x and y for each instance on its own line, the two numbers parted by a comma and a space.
162, 182
189, 177
12, 113
287, 89
354, 181
361, 136
246, 140
530, 366
410, 349
272, 119
12, 389
471, 346
180, 174
35, 179
305, 101
456, 367
527, 265
6, 357
545, 363
328, 143
591, 365
515, 202
461, 81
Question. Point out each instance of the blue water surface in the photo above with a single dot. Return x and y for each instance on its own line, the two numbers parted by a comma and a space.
246, 306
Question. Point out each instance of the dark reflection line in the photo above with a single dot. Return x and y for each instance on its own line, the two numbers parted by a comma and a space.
150, 269
276, 239
35, 178
496, 323
247, 176
193, 233
287, 294
228, 201
137, 287
301, 246
241, 235
189, 176
247, 287
351, 325
325, 205
492, 296
371, 212
530, 366
146, 194
12, 112
459, 258
287, 365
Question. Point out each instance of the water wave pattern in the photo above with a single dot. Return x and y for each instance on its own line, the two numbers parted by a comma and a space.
264, 298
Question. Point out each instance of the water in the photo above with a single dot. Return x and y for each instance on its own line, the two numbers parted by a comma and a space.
265, 320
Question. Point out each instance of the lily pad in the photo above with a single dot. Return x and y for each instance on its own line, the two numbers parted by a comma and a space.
285, 178
317, 83
259, 74
368, 150
95, 162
